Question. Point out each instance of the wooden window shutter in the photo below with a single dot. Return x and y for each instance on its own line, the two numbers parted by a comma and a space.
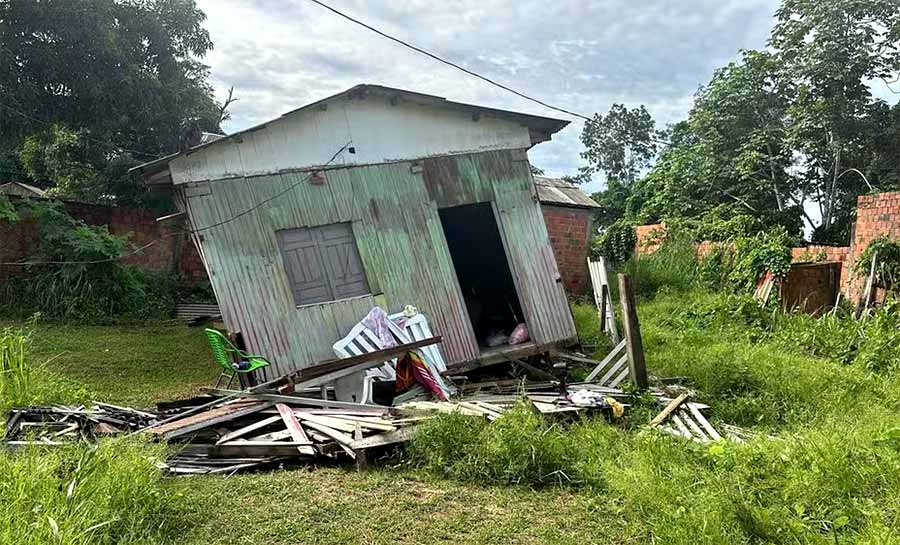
322, 263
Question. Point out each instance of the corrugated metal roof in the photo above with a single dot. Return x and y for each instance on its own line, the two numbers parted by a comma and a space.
562, 193
21, 190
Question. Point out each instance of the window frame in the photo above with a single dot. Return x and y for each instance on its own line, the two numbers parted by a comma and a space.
317, 241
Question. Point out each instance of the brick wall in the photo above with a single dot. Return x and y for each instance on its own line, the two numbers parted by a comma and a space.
811, 287
649, 237
876, 215
173, 253
570, 237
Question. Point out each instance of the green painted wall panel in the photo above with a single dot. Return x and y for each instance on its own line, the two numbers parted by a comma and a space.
394, 212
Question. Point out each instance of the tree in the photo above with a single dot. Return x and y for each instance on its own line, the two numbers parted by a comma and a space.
88, 87
830, 51
621, 144
731, 151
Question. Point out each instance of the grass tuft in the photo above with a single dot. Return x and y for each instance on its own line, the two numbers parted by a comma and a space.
80, 495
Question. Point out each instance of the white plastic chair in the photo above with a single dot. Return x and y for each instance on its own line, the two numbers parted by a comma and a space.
361, 340
417, 329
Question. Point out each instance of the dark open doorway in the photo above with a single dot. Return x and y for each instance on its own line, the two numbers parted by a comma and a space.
482, 269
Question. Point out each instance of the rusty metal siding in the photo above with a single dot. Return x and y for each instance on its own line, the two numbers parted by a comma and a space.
393, 209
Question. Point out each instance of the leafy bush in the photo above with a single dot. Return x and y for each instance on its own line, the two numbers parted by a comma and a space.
887, 266
616, 243
78, 274
196, 292
764, 252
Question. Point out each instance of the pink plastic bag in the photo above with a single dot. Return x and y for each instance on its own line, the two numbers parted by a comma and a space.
519, 334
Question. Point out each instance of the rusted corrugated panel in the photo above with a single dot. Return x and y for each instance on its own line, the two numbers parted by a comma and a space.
504, 179
401, 244
562, 193
394, 213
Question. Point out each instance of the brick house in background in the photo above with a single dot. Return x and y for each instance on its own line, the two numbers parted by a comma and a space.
569, 215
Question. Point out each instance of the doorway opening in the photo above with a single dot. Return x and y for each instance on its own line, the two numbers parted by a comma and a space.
483, 271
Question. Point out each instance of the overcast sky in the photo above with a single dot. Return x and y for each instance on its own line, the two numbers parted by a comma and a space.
582, 56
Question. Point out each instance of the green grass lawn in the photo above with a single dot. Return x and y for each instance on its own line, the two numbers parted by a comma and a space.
832, 475
130, 365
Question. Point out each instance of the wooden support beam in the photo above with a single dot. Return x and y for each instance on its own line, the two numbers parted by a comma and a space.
634, 345
311, 401
669, 409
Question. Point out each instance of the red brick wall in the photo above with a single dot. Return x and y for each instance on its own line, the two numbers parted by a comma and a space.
570, 237
17, 240
649, 237
876, 215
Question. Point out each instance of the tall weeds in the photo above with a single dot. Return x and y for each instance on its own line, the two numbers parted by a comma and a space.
24, 381
15, 375
107, 494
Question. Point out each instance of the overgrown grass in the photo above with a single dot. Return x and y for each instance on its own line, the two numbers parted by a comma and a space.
109, 494
829, 473
79, 494
672, 267
25, 379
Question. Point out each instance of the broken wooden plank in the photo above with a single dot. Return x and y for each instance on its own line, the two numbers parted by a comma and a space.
342, 439
669, 409
368, 424
215, 416
400, 436
248, 429
710, 430
334, 423
605, 361
310, 401
294, 427
272, 436
236, 450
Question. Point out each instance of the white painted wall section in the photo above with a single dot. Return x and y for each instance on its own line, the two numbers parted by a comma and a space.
379, 131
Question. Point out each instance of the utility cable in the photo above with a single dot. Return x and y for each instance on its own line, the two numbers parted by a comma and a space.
447, 62
192, 231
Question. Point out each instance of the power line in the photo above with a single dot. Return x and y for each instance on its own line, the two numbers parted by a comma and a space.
94, 261
448, 63
193, 231
98, 141
270, 199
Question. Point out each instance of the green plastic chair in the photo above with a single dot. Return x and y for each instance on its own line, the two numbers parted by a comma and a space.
226, 354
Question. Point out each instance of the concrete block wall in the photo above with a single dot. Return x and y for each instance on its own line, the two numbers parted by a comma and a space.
569, 230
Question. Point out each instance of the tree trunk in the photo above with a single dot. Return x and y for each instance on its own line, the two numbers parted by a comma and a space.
778, 200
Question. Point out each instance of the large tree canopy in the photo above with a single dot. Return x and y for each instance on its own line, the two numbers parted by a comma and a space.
89, 87
779, 128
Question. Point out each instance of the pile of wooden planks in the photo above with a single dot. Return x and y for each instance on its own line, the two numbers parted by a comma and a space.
58, 425
250, 432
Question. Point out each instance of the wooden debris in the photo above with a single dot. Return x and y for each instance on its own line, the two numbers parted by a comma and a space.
668, 409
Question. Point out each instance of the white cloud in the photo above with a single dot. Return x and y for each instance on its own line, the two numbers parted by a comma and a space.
582, 56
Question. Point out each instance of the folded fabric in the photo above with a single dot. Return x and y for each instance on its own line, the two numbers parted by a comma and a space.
411, 368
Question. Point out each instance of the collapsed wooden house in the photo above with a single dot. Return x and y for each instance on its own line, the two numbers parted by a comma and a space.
374, 196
